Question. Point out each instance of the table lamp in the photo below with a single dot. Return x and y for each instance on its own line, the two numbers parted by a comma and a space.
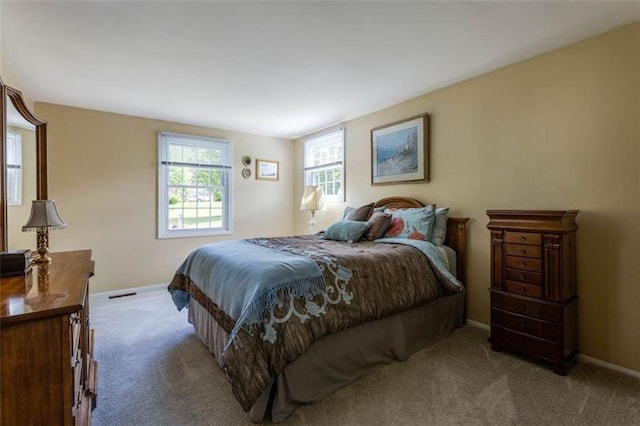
312, 201
44, 216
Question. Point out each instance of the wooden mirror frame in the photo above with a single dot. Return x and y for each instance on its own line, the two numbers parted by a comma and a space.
8, 92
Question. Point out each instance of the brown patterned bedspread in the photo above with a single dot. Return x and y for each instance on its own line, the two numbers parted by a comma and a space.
384, 279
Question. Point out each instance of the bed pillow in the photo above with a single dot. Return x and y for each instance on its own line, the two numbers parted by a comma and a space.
345, 230
439, 231
361, 214
413, 223
377, 225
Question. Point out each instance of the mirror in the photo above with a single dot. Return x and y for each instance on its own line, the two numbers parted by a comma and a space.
20, 151
18, 120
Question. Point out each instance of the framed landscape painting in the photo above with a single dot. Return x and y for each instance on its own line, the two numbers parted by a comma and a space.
400, 152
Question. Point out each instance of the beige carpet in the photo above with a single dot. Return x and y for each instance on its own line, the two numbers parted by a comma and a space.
154, 371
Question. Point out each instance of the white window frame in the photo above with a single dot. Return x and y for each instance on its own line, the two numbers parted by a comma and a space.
14, 164
164, 140
331, 137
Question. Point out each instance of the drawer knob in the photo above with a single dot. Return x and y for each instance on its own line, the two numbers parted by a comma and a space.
523, 290
523, 239
523, 251
522, 277
522, 264
523, 325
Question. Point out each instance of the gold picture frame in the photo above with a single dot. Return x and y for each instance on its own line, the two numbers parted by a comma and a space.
400, 151
267, 170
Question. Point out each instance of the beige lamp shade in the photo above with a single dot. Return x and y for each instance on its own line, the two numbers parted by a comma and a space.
44, 216
312, 199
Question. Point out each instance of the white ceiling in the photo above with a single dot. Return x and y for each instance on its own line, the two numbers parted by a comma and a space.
276, 68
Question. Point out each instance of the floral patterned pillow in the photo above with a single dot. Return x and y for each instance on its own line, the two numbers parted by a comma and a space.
413, 223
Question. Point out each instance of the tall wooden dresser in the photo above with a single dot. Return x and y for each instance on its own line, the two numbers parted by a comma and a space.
47, 366
533, 284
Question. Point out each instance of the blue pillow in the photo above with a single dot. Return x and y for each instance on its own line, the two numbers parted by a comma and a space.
345, 230
439, 231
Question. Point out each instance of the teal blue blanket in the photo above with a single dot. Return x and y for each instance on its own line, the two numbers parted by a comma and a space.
246, 280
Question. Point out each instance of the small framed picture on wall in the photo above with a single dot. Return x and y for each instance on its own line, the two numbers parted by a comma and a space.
267, 170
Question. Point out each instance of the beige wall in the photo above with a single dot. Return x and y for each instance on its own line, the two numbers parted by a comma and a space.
103, 176
559, 131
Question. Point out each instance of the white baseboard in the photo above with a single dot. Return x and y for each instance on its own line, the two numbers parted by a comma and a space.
604, 364
581, 358
477, 324
104, 296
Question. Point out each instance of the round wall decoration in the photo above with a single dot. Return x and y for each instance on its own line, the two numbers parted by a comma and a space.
246, 161
246, 173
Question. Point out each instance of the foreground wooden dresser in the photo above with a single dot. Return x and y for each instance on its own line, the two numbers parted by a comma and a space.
533, 284
48, 374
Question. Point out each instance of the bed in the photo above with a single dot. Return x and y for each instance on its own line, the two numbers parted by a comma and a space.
375, 302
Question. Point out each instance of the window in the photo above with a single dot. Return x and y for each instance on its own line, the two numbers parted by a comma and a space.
194, 180
14, 169
324, 164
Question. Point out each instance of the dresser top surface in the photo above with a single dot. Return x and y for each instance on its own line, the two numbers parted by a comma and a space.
558, 221
541, 213
47, 290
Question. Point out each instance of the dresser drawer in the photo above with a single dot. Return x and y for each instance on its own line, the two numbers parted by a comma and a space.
527, 325
529, 238
524, 289
534, 252
523, 276
516, 340
516, 304
77, 387
526, 306
523, 324
522, 341
524, 263
526, 343
74, 324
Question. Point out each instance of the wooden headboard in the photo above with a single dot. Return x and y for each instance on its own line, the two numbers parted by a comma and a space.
456, 232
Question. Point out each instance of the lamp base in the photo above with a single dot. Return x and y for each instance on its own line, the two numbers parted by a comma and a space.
43, 250
42, 260
312, 223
